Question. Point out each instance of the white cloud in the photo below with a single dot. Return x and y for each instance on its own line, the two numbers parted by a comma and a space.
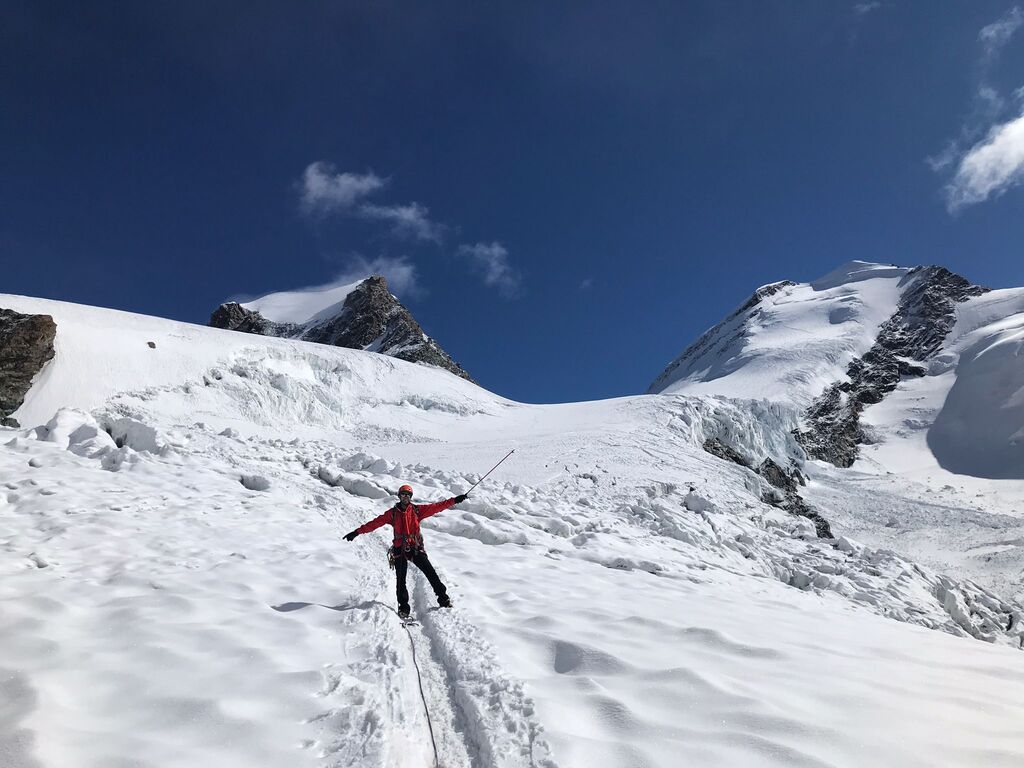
862, 8
586, 284
995, 158
997, 34
990, 167
412, 220
326, 191
490, 260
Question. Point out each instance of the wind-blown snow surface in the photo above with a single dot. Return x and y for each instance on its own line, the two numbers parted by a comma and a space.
300, 307
174, 590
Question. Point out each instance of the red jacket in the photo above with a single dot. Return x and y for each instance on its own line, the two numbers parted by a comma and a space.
407, 523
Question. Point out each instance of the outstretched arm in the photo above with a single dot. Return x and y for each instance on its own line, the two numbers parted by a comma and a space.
426, 510
373, 525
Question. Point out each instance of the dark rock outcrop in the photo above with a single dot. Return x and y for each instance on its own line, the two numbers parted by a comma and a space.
716, 447
908, 339
777, 476
788, 497
26, 345
795, 505
235, 317
370, 319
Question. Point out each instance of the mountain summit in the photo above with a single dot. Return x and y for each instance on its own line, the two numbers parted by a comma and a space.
940, 351
361, 315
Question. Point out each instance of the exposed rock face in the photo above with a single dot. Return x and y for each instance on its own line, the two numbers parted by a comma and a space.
716, 447
912, 335
370, 319
235, 317
26, 345
778, 477
721, 337
787, 482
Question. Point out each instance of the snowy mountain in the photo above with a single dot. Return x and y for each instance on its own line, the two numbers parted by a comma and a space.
839, 346
911, 376
639, 584
361, 315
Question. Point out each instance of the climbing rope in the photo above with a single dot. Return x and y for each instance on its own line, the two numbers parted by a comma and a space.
423, 697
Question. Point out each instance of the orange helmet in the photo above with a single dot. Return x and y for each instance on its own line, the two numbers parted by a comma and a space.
405, 489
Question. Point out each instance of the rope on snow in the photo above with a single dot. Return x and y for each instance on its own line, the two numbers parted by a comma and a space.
423, 697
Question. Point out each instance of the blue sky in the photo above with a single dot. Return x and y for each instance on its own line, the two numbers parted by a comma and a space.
564, 197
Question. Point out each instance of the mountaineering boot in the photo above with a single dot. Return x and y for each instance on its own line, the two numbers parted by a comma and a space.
444, 602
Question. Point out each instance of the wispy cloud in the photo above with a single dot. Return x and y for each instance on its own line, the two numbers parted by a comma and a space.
324, 191
412, 220
996, 35
864, 8
988, 155
586, 284
490, 261
990, 167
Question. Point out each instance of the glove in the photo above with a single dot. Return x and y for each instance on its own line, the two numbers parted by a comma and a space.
351, 536
460, 498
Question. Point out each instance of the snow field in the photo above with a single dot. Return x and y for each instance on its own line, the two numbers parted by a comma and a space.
133, 614
181, 591
175, 591
616, 658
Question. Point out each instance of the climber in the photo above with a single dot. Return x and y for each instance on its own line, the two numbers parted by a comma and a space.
405, 518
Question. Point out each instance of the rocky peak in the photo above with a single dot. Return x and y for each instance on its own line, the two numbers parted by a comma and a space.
369, 318
26, 345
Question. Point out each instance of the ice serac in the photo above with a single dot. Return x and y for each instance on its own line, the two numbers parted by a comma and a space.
363, 315
26, 345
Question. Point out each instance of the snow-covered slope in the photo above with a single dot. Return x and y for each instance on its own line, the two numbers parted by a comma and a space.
174, 590
301, 307
102, 351
789, 340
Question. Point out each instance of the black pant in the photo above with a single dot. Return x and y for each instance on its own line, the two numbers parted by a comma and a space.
421, 561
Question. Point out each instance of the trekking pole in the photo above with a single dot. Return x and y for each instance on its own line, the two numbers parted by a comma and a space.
489, 471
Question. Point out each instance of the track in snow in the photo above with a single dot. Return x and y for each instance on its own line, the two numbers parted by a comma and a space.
475, 713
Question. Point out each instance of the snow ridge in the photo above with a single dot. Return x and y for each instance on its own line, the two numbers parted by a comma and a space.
716, 340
